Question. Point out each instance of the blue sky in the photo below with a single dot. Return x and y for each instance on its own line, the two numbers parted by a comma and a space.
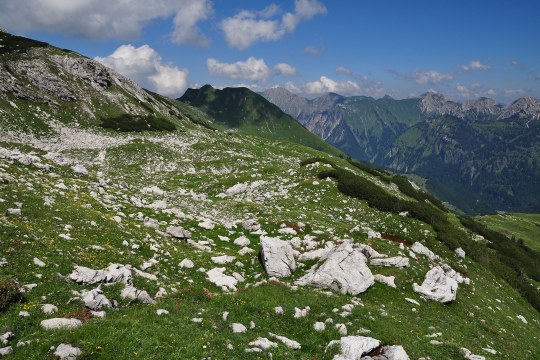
463, 49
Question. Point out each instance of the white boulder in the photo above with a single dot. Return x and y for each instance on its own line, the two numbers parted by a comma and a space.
277, 257
344, 269
67, 352
387, 280
60, 323
354, 347
95, 300
132, 293
114, 273
420, 248
218, 277
437, 286
397, 261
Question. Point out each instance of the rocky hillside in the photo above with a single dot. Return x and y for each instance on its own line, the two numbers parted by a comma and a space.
478, 155
160, 242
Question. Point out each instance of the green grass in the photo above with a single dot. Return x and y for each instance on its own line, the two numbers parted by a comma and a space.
524, 227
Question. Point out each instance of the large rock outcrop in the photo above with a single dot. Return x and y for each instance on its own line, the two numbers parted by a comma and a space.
437, 286
277, 257
343, 269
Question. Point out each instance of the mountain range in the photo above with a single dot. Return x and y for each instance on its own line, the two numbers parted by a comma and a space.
478, 155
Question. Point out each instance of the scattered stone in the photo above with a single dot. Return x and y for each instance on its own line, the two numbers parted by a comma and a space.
387, 280
218, 277
397, 261
242, 241
224, 259
186, 263
4, 338
420, 248
238, 328
24, 314
49, 309
522, 318
79, 169
300, 313
412, 301
207, 224
354, 347
278, 310
237, 189
341, 329
263, 343
277, 257
467, 354
319, 326
60, 323
288, 342
245, 251
178, 232
344, 269
99, 314
251, 225
14, 212
132, 293
394, 352
115, 273
95, 300
460, 252
39, 262
437, 286
197, 320
6, 350
67, 352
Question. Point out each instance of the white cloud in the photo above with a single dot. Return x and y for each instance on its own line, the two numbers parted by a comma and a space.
463, 90
313, 51
289, 85
101, 19
491, 92
285, 70
343, 70
475, 65
514, 92
325, 84
247, 27
186, 30
144, 66
252, 69
430, 77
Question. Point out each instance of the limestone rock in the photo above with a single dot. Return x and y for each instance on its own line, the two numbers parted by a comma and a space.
344, 269
115, 273
238, 328
178, 232
67, 352
394, 352
263, 343
95, 300
288, 342
218, 277
460, 252
60, 323
277, 257
388, 280
467, 354
6, 350
438, 286
132, 293
354, 347
186, 263
49, 309
420, 248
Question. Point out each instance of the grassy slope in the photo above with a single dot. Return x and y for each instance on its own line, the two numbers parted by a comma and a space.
484, 315
521, 226
248, 112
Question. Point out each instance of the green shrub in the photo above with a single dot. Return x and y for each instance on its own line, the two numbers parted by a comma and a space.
9, 292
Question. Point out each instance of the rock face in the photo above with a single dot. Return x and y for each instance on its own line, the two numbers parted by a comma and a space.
67, 352
344, 269
354, 347
60, 323
277, 257
115, 273
438, 286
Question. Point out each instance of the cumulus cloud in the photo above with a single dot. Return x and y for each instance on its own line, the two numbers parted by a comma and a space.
516, 64
313, 51
325, 85
186, 30
463, 90
144, 66
248, 27
252, 69
343, 70
475, 65
285, 70
491, 92
430, 77
101, 19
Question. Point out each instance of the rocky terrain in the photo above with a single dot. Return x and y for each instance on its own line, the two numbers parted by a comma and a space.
197, 243
479, 155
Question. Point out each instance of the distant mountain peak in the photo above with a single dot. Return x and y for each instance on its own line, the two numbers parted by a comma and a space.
524, 107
